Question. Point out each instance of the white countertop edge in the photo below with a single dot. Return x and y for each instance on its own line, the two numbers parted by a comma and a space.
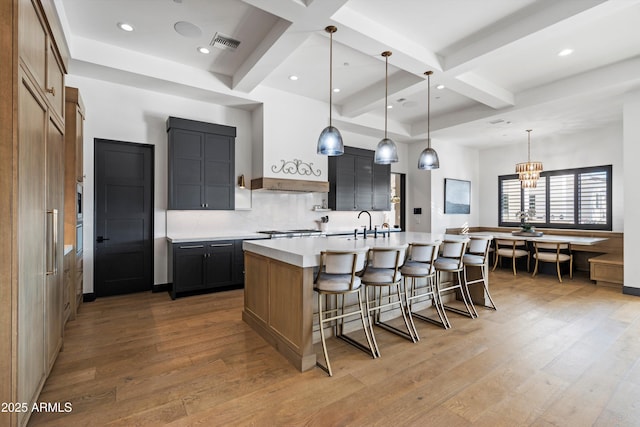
305, 251
67, 249
239, 236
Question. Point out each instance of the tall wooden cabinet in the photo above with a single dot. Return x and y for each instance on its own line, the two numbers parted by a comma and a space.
32, 129
73, 182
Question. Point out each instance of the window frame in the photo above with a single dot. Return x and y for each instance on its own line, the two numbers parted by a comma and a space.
576, 172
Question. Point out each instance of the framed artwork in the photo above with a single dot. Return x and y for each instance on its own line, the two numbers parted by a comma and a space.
457, 196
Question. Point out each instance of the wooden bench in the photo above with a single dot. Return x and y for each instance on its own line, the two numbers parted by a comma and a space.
607, 269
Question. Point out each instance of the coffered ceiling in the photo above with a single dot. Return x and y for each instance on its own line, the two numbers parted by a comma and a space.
497, 59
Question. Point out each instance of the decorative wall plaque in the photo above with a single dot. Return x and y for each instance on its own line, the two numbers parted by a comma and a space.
296, 166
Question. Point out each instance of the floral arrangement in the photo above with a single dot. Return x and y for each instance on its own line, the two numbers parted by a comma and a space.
524, 217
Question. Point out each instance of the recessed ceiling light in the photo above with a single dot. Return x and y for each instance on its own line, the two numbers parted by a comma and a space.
440, 87
293, 78
203, 50
336, 89
565, 52
389, 106
125, 27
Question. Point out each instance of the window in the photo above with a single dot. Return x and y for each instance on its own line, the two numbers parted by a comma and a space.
572, 198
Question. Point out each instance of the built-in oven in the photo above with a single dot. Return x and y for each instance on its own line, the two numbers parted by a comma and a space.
79, 238
79, 201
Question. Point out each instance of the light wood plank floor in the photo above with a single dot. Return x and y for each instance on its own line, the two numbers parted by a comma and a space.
553, 354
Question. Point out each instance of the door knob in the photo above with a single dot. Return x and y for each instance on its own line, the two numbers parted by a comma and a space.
101, 239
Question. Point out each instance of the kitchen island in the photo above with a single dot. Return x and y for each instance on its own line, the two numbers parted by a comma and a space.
278, 293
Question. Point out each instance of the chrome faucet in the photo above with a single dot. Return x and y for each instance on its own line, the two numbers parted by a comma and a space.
367, 212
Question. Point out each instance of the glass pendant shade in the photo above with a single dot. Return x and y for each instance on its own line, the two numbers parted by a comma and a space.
529, 172
330, 142
386, 152
428, 159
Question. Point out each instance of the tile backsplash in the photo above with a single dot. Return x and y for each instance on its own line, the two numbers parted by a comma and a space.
269, 211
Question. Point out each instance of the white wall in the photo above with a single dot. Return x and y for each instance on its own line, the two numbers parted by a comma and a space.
594, 148
631, 146
457, 162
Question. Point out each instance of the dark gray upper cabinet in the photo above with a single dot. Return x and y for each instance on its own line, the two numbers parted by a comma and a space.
357, 183
201, 165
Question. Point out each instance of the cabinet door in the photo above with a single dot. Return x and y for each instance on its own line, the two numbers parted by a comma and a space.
31, 362
54, 246
364, 183
381, 187
186, 169
219, 167
343, 198
188, 269
32, 37
55, 81
219, 264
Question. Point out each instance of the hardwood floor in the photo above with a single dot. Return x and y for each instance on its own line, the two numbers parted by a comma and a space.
553, 354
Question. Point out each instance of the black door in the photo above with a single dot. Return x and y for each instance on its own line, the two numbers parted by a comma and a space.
123, 244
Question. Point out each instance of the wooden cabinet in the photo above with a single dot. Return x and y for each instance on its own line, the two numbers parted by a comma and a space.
357, 183
31, 218
54, 246
201, 165
73, 177
207, 265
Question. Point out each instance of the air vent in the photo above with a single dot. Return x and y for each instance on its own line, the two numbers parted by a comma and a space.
495, 122
222, 41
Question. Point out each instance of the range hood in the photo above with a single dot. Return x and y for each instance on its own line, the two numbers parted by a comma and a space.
292, 185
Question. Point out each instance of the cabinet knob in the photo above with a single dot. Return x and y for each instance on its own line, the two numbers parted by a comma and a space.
51, 90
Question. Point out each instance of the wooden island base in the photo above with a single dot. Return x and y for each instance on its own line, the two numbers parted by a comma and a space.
278, 305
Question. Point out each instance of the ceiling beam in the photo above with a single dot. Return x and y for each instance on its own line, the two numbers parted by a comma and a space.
298, 21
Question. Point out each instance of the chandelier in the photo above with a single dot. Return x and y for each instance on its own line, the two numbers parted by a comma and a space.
529, 172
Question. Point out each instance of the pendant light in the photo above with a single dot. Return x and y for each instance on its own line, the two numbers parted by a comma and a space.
386, 151
529, 172
428, 158
330, 141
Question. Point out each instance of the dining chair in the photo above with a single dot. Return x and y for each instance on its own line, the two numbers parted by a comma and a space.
420, 265
477, 256
383, 271
338, 275
511, 248
555, 252
450, 261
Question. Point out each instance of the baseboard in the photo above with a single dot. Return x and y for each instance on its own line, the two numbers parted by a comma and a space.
161, 287
628, 290
89, 297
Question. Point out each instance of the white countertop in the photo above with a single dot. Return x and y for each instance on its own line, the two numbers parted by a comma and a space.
305, 251
222, 236
67, 249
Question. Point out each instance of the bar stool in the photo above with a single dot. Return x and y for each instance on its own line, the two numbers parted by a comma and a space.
337, 275
556, 252
383, 271
450, 261
477, 256
511, 249
420, 265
